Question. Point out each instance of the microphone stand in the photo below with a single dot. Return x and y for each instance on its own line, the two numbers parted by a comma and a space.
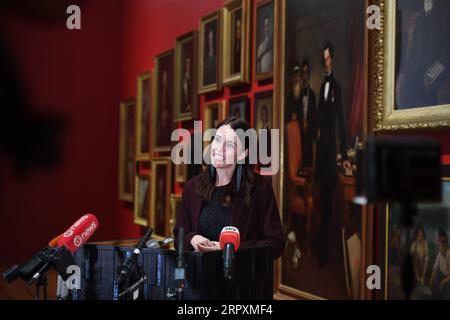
130, 269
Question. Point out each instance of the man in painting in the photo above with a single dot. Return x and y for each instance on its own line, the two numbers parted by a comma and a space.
301, 106
440, 276
419, 252
237, 44
210, 58
265, 49
427, 56
330, 123
187, 80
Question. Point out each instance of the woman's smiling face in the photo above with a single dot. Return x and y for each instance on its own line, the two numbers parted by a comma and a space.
226, 148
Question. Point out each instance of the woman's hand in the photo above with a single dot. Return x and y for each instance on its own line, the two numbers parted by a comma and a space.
209, 246
196, 240
200, 243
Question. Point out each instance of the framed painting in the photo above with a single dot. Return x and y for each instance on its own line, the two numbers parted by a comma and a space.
239, 107
210, 54
265, 24
161, 187
322, 88
214, 113
144, 93
236, 42
142, 200
162, 111
127, 127
428, 245
412, 66
175, 201
186, 98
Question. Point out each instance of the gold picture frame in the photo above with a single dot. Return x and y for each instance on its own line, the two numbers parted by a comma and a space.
215, 78
161, 187
190, 38
127, 110
236, 72
210, 109
281, 289
180, 173
142, 196
175, 200
386, 118
144, 85
162, 110
261, 73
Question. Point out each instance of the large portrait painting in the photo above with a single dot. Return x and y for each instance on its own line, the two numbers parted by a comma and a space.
162, 114
210, 55
428, 245
161, 187
126, 149
324, 121
413, 91
144, 91
186, 98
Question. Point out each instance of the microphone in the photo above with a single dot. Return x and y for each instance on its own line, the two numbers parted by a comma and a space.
129, 265
230, 240
153, 243
78, 233
57, 252
180, 270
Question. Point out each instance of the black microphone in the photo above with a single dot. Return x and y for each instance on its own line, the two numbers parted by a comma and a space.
129, 265
180, 270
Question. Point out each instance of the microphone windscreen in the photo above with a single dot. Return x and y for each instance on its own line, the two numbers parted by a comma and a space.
230, 235
54, 242
152, 243
79, 233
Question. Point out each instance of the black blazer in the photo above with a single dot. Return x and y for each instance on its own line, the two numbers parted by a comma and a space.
258, 225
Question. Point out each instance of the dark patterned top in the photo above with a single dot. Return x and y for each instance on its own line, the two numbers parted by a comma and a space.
214, 216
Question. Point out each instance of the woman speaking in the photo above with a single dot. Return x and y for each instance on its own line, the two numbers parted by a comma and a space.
229, 193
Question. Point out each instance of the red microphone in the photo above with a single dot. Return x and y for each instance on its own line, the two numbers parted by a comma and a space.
230, 240
78, 233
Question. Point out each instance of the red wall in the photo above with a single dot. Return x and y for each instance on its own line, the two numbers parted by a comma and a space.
75, 74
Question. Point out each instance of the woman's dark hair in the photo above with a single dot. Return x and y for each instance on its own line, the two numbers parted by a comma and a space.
208, 177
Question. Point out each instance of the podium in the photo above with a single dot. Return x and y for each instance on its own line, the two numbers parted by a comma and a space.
98, 262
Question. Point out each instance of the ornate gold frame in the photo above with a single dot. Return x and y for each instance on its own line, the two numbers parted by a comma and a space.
137, 218
385, 117
140, 91
124, 105
242, 77
155, 107
180, 41
217, 86
160, 161
174, 200
282, 291
276, 27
